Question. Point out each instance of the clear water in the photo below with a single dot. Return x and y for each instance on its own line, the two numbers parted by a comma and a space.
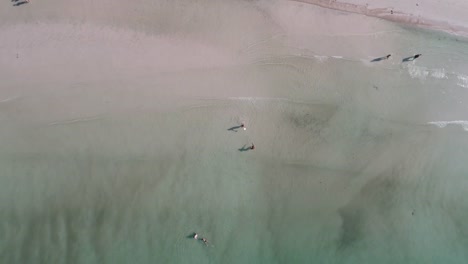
347, 168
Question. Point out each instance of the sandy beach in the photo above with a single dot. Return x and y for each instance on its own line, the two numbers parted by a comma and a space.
120, 131
448, 16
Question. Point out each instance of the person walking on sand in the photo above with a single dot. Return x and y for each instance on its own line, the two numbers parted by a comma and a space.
252, 147
416, 56
388, 56
243, 126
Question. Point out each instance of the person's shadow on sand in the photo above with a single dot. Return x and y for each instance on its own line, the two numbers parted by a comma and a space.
379, 59
20, 3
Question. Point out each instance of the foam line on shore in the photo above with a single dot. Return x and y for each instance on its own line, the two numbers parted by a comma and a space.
442, 124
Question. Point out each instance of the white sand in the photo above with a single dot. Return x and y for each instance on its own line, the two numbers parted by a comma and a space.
444, 15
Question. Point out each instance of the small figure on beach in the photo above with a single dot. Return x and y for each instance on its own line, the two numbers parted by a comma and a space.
253, 146
243, 126
388, 56
416, 56
205, 241
195, 236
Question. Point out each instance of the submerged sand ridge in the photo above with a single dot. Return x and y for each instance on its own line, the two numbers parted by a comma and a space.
115, 144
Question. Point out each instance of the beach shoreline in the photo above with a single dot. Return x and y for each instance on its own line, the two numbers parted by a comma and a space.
122, 134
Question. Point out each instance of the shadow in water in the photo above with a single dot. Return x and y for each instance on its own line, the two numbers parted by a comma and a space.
244, 148
408, 59
412, 58
200, 239
234, 128
20, 3
191, 236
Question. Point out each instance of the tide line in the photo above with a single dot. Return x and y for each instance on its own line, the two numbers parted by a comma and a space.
76, 120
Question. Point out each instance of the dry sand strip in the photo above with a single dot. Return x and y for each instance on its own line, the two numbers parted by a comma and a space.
449, 16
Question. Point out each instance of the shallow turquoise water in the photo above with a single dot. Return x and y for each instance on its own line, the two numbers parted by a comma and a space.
384, 193
346, 167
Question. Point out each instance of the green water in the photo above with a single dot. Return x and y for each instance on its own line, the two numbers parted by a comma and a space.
314, 189
123, 167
